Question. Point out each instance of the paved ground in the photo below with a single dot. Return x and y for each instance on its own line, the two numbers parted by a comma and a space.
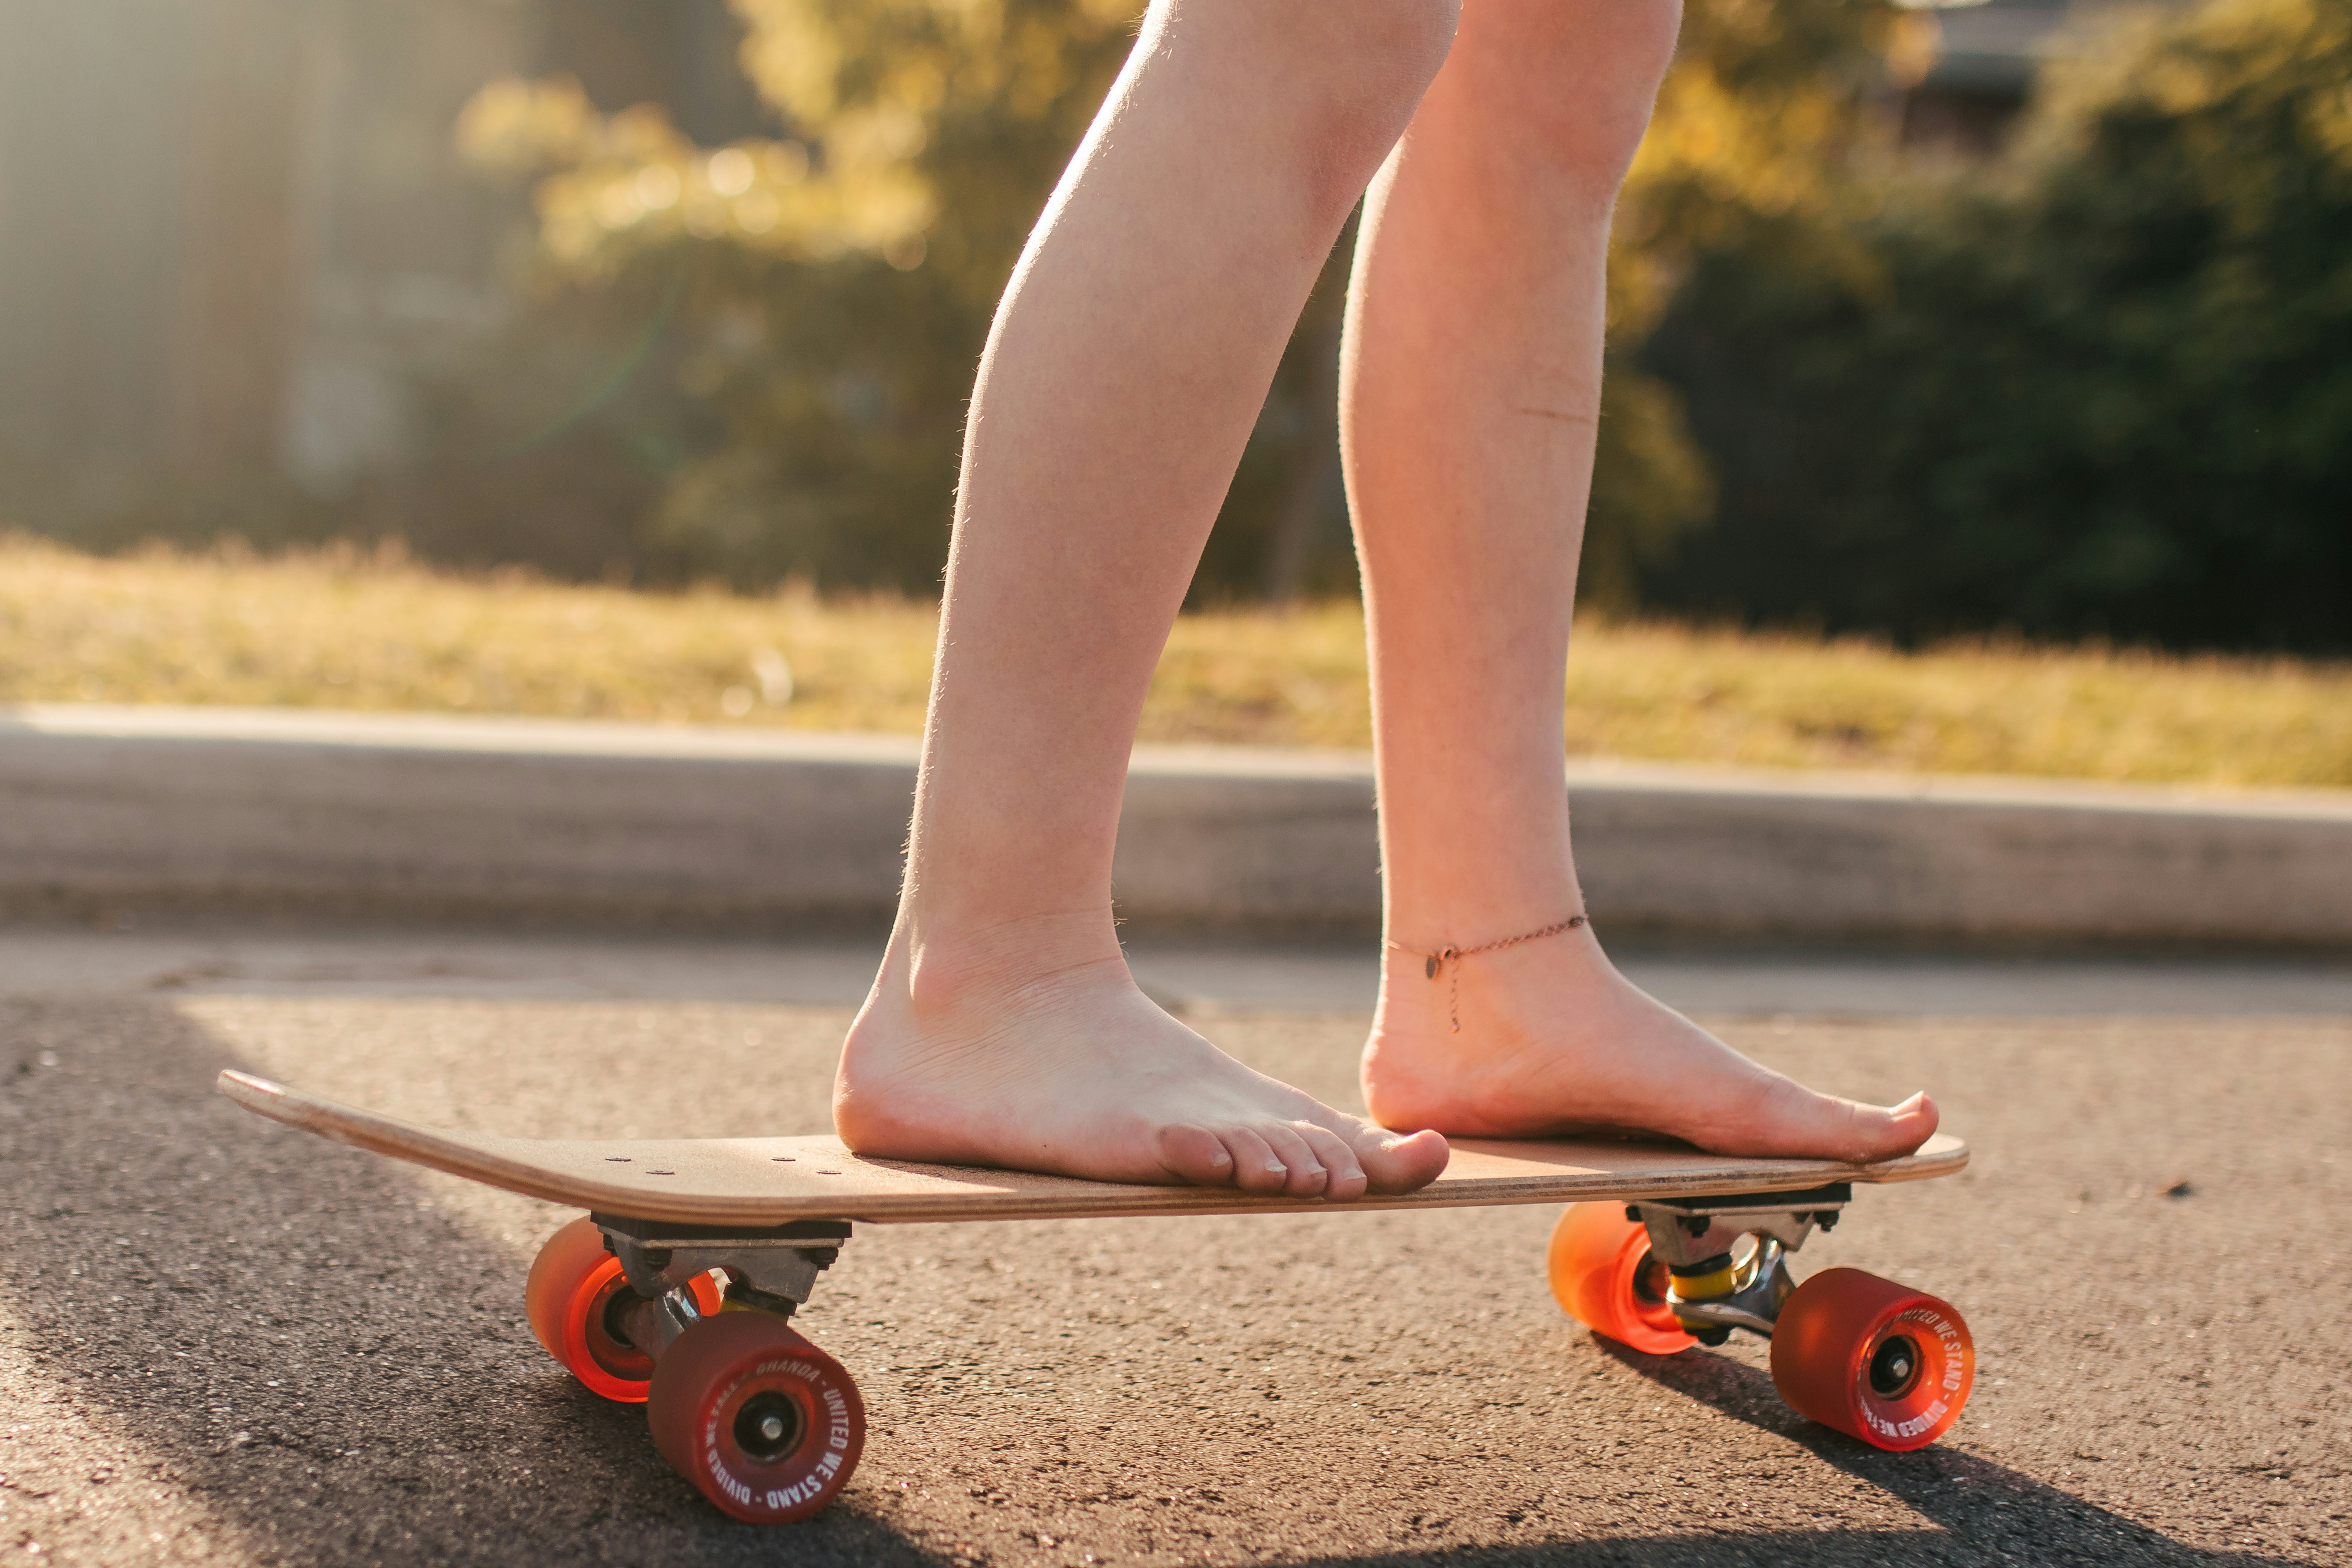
229, 1342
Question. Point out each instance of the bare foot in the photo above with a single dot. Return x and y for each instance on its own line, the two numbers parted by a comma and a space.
1073, 1071
1554, 1041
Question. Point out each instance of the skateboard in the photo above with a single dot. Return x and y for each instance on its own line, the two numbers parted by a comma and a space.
676, 1289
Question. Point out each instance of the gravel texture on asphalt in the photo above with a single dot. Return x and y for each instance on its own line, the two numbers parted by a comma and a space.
228, 1341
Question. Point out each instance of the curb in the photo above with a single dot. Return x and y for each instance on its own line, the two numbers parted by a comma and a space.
117, 808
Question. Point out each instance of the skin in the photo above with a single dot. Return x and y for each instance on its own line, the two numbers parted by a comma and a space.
1128, 361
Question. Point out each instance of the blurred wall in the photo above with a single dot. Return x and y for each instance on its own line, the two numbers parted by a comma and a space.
232, 230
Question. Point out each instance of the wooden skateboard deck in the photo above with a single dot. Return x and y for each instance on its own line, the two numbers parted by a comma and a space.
765, 1182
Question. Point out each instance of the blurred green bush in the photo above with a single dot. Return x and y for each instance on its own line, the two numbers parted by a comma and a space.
2101, 387
758, 356
791, 326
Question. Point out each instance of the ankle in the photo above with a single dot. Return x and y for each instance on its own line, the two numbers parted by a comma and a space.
944, 968
1415, 933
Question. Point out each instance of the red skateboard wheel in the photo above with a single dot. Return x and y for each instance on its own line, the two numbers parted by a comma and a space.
1875, 1360
573, 1283
765, 1425
1604, 1276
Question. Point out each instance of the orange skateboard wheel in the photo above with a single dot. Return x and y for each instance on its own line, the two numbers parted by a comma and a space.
1604, 1276
573, 1283
764, 1424
1877, 1361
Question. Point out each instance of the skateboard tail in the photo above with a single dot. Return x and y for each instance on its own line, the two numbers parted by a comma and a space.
407, 1140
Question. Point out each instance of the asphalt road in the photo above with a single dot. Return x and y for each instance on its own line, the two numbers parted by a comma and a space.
227, 1341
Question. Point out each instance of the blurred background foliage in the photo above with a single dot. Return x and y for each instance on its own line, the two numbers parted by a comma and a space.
2101, 387
2093, 381
820, 298
811, 306
816, 305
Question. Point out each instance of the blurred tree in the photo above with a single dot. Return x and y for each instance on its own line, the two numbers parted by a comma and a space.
2103, 387
1760, 128
829, 293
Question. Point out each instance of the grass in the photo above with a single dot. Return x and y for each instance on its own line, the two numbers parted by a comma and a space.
337, 629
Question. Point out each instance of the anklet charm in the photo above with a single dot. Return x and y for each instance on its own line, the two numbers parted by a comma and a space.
1449, 960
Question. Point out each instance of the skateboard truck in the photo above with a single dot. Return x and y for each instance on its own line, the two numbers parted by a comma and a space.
769, 1269
1712, 1287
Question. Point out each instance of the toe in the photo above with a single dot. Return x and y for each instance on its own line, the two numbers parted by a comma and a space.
1257, 1169
1908, 1125
1195, 1155
1400, 1162
1867, 1133
1306, 1176
1347, 1174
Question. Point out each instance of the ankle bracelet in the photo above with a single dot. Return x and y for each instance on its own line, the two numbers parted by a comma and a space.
1448, 960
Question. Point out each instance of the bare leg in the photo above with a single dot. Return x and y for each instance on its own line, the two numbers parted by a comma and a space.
1470, 391
1131, 352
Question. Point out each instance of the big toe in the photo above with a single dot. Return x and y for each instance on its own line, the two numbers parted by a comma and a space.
1910, 1124
1400, 1162
1195, 1155
1887, 1132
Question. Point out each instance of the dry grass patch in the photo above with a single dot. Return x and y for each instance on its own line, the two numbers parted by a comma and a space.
337, 629
341, 630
